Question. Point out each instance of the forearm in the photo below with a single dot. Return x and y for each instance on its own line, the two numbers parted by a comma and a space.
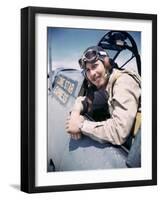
78, 106
112, 130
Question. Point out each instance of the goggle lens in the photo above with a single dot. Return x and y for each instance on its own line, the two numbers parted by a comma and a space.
90, 55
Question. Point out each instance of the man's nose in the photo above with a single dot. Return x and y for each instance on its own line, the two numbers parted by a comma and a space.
92, 73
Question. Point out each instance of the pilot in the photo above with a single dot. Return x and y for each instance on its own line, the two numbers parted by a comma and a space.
117, 91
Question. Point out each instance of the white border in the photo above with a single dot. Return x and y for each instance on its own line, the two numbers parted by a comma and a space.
62, 178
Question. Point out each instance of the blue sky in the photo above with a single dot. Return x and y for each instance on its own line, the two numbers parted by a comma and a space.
66, 45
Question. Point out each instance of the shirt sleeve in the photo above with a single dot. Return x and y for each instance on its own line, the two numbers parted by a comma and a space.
126, 93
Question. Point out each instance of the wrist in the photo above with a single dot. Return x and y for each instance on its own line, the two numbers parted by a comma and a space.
81, 123
75, 112
80, 126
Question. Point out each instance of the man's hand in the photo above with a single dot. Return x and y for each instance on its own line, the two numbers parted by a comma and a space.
73, 125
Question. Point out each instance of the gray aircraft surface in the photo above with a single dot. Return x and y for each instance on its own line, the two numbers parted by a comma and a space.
64, 86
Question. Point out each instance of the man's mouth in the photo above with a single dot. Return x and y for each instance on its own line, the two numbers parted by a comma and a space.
97, 78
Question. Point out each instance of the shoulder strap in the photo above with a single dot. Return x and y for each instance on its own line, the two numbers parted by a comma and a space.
116, 76
137, 123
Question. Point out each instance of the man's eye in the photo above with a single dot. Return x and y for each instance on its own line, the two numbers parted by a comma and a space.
94, 66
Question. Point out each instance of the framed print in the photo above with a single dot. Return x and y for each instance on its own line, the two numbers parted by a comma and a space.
88, 99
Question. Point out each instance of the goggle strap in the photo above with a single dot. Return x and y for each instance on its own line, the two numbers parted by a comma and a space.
102, 53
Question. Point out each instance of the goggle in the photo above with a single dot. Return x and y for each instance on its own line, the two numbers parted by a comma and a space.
91, 56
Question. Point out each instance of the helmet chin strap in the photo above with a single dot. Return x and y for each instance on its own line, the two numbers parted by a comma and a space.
107, 75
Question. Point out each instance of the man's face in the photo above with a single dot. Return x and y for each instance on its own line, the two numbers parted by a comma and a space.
96, 73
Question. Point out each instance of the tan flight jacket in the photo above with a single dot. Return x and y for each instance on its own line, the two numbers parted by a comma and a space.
124, 89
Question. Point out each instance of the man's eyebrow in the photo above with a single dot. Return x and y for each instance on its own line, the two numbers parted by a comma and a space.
94, 64
91, 66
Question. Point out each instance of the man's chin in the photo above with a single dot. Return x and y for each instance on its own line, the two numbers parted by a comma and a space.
100, 84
